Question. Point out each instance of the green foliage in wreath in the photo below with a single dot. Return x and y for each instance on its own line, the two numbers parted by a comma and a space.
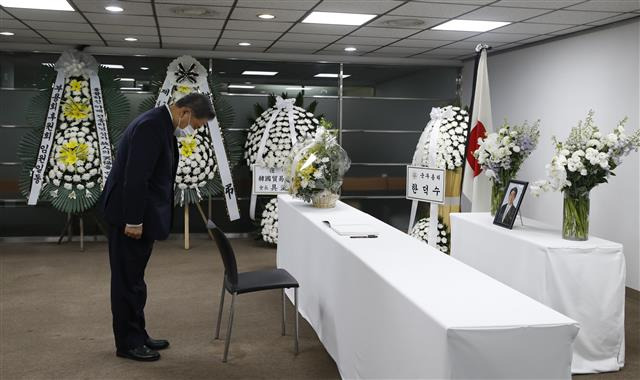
76, 184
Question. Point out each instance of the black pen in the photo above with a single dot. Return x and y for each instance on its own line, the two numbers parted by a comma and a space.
364, 236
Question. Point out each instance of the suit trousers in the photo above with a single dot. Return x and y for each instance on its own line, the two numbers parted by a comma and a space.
128, 259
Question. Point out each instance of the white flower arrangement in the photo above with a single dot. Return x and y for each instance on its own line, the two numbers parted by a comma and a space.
501, 154
277, 150
452, 139
420, 231
269, 222
317, 165
278, 146
587, 158
75, 160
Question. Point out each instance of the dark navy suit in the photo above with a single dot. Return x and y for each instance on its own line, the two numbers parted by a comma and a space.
139, 190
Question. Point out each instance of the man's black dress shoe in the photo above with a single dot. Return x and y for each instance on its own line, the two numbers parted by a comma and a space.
157, 344
142, 353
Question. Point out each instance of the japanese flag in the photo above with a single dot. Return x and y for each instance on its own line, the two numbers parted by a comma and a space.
476, 189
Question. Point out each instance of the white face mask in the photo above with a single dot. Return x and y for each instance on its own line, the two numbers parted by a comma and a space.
186, 131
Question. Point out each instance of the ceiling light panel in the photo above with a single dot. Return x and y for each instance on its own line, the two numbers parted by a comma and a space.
331, 75
52, 5
470, 25
112, 66
240, 86
262, 73
336, 18
114, 8
43, 15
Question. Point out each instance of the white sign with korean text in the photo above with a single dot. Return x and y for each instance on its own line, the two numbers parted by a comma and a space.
269, 181
425, 184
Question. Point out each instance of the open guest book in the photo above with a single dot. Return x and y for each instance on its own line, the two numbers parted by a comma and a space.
353, 230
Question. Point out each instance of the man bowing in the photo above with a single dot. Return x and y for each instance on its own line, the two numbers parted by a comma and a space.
138, 205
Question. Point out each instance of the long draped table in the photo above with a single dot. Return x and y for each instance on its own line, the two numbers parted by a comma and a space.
393, 307
581, 279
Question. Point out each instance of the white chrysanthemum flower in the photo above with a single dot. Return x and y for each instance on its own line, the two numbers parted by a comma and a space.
453, 132
420, 231
269, 222
279, 140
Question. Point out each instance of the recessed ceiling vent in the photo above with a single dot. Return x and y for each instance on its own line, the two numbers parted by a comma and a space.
193, 12
404, 22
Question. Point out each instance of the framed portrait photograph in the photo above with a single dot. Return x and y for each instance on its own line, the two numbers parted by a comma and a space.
511, 201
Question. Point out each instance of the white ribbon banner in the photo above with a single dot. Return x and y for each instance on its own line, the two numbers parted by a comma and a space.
100, 121
429, 158
51, 122
187, 70
281, 104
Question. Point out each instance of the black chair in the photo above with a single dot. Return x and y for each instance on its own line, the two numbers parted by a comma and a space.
238, 283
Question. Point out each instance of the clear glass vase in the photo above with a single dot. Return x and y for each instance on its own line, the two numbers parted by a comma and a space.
575, 216
497, 192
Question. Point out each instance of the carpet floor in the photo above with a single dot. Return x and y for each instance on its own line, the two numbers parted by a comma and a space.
55, 319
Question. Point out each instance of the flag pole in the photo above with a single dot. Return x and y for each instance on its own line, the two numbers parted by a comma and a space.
478, 49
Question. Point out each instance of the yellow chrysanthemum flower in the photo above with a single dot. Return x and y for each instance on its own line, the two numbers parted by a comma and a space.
76, 110
73, 151
188, 146
75, 85
184, 89
306, 169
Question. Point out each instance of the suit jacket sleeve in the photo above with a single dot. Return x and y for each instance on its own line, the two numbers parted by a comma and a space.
144, 149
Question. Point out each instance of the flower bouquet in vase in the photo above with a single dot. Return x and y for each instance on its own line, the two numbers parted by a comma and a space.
501, 154
317, 168
585, 160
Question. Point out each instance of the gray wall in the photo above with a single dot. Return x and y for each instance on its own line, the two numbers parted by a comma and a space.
559, 82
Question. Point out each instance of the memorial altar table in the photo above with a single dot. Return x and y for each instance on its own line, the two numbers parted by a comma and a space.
583, 280
394, 307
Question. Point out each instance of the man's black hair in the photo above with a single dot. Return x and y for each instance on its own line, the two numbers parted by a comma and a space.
199, 104
514, 190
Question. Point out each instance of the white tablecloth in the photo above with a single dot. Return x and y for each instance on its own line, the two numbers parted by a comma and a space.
583, 280
393, 307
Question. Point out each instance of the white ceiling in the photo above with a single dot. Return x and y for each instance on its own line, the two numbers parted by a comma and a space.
157, 26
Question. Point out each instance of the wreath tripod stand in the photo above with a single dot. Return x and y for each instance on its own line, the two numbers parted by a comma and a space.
72, 219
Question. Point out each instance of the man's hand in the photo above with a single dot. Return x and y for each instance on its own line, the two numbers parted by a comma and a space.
133, 232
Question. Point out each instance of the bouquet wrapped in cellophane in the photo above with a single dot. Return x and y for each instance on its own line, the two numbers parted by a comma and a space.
317, 167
